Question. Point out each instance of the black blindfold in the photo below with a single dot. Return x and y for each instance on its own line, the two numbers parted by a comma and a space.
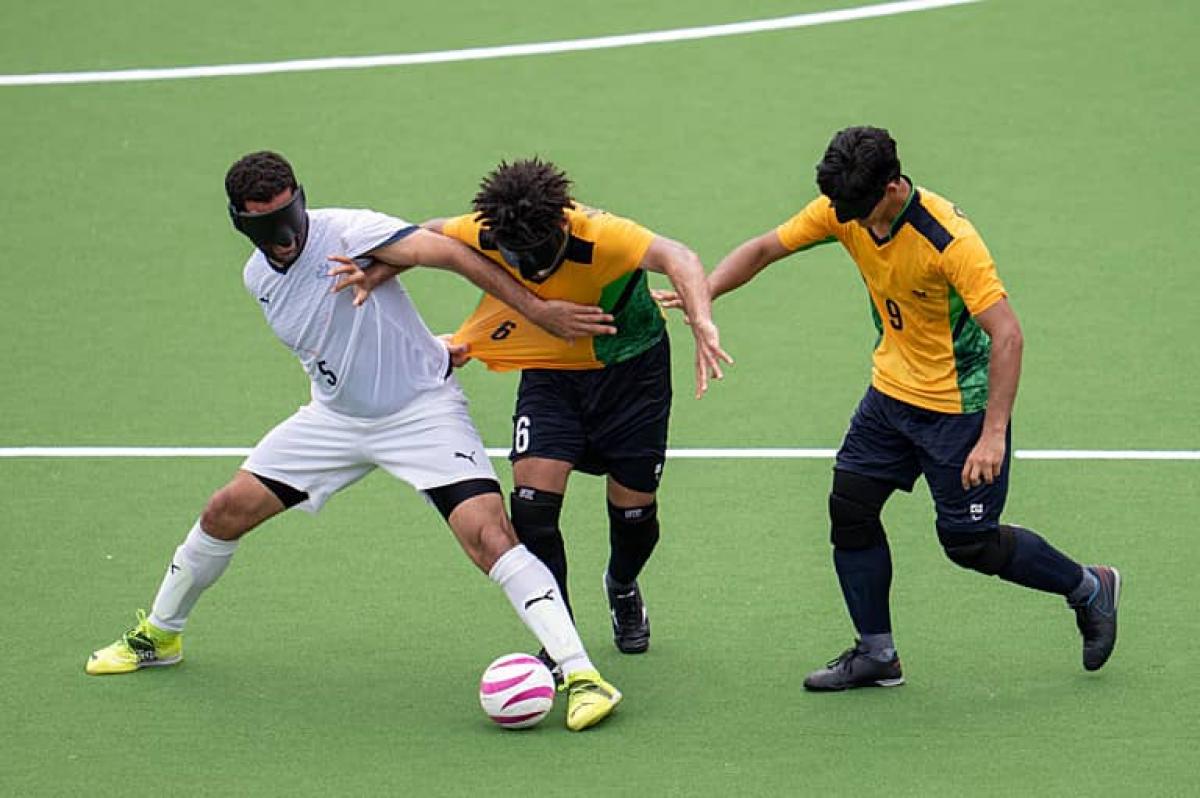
536, 262
281, 227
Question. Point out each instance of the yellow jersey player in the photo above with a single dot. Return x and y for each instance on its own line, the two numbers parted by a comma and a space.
597, 404
944, 379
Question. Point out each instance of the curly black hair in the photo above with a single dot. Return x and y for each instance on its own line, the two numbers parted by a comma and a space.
258, 176
522, 203
858, 163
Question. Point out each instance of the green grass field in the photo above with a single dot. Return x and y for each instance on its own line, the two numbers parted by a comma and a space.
339, 655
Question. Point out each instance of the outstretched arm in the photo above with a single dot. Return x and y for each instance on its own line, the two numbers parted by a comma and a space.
986, 459
744, 262
735, 269
686, 273
423, 247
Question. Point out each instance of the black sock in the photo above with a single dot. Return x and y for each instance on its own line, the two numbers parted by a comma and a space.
1037, 564
632, 535
866, 579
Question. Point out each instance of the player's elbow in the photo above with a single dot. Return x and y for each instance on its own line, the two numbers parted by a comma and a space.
1009, 340
682, 263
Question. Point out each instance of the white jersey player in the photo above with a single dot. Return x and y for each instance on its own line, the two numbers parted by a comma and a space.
382, 396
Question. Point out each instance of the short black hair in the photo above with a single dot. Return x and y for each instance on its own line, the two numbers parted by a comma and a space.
258, 176
858, 163
522, 203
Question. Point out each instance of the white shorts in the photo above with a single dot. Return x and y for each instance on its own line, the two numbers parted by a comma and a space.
430, 443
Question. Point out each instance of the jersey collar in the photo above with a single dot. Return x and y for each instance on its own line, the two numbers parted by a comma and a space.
902, 217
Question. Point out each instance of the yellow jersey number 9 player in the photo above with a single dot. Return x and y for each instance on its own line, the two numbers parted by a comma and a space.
944, 378
597, 404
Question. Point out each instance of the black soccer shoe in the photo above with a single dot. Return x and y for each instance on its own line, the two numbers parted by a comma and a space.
853, 668
631, 627
555, 669
1097, 619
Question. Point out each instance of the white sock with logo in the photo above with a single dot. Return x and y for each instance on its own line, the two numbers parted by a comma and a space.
530, 587
196, 565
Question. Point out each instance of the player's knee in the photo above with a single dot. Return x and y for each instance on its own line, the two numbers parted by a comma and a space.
224, 516
493, 540
854, 506
988, 552
535, 514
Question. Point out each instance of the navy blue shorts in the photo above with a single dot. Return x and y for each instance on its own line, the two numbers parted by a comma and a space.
603, 421
896, 442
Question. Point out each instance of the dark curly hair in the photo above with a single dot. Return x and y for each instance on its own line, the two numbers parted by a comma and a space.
858, 163
522, 203
258, 176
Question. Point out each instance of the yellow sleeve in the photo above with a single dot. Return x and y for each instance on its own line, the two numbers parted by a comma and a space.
813, 225
969, 267
621, 245
464, 228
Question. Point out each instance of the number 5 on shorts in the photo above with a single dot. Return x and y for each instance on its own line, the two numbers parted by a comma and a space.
521, 435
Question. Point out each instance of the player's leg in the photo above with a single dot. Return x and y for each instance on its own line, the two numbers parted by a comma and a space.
874, 460
302, 461
436, 448
197, 563
474, 510
969, 529
633, 534
539, 484
547, 442
627, 413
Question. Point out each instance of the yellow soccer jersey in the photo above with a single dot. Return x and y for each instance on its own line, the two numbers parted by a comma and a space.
601, 268
927, 280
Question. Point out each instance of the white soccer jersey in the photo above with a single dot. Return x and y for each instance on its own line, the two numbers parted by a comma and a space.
369, 361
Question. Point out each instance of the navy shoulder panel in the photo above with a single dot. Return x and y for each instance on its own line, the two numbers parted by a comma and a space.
924, 223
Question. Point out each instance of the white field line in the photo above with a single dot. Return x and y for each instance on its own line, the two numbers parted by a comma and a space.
16, 452
482, 53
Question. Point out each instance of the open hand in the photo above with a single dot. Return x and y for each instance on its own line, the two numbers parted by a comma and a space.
351, 275
709, 354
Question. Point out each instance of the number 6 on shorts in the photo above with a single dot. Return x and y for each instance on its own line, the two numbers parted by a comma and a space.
521, 435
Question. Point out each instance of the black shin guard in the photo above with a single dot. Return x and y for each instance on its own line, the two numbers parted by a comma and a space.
535, 519
632, 535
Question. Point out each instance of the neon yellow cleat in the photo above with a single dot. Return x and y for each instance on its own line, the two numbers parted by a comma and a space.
590, 699
143, 646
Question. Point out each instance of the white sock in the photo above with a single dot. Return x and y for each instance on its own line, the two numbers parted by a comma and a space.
196, 565
530, 587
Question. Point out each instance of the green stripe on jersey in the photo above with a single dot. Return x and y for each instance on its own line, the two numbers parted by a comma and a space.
829, 240
640, 323
972, 355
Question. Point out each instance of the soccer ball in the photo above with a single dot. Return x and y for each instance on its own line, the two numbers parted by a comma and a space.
516, 691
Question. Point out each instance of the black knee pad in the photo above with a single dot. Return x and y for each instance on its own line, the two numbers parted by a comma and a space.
987, 552
535, 514
854, 506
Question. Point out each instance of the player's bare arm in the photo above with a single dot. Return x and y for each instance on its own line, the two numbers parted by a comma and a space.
735, 269
686, 273
987, 457
366, 280
566, 320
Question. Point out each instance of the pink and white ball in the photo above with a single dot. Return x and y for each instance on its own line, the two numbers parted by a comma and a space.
517, 691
